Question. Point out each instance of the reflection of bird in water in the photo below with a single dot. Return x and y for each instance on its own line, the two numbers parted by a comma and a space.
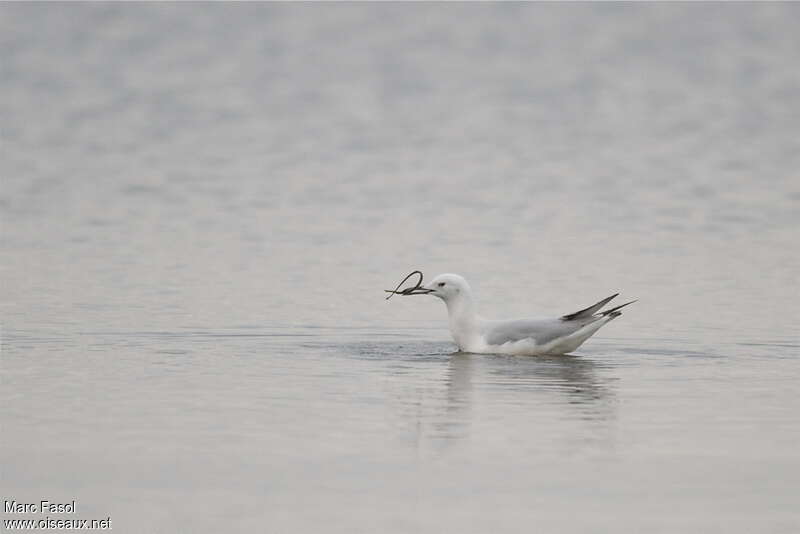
571, 375
565, 379
572, 379
457, 405
440, 410
538, 399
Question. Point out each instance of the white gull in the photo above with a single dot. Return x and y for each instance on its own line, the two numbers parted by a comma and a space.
551, 336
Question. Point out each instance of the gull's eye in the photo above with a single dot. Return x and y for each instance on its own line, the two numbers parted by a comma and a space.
440, 284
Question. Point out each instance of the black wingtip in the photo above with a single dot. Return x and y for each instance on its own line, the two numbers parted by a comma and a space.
591, 310
614, 312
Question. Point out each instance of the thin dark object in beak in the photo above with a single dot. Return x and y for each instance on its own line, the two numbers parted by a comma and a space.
417, 289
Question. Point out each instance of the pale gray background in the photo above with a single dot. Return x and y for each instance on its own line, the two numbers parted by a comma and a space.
201, 205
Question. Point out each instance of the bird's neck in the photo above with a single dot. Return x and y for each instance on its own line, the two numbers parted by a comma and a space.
463, 319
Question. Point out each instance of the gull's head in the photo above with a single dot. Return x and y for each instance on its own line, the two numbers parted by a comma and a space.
448, 287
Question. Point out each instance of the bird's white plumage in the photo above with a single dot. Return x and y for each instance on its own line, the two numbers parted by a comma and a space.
472, 333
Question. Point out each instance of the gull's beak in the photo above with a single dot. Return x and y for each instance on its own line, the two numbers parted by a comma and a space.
410, 291
417, 291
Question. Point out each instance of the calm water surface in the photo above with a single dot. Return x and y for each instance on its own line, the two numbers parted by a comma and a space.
202, 204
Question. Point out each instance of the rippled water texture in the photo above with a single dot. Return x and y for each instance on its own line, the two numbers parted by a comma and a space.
201, 205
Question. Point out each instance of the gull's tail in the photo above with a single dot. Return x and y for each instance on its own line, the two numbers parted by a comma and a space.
594, 308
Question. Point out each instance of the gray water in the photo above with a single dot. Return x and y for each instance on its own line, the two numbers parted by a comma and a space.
203, 203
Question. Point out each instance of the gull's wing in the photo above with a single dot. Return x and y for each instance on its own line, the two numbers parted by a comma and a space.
540, 330
546, 330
